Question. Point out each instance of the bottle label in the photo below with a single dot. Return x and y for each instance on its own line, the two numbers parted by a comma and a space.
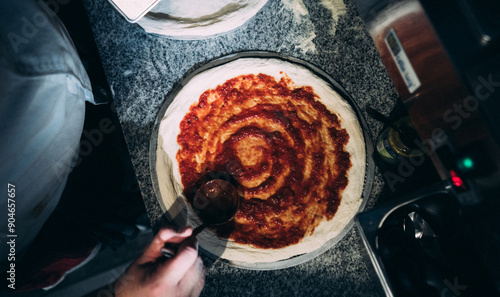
402, 62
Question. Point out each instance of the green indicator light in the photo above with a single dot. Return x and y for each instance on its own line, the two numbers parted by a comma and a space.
467, 163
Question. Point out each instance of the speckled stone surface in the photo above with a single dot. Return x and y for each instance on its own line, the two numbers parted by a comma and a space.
142, 68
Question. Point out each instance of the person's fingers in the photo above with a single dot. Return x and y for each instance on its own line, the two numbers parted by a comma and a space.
198, 287
177, 267
153, 251
193, 282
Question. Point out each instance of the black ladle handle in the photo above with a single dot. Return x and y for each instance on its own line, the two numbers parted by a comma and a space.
169, 250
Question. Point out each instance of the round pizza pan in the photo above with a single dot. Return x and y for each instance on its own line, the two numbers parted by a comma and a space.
369, 169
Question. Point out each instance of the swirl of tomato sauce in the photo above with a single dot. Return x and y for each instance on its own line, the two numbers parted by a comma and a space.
280, 145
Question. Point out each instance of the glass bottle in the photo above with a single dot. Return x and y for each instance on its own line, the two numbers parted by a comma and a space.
394, 144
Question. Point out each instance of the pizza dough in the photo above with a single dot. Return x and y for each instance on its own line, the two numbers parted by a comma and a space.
169, 179
196, 19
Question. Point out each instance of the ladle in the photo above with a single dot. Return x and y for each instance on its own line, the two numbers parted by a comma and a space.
216, 203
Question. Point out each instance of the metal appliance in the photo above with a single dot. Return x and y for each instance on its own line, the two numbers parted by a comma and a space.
444, 60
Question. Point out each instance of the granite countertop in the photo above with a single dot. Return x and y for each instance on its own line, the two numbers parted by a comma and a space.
142, 68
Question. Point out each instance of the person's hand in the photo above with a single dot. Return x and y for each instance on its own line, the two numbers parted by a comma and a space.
154, 275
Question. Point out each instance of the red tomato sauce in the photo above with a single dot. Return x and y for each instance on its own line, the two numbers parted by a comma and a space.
281, 146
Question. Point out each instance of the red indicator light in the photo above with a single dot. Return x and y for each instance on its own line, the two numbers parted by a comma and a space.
456, 180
